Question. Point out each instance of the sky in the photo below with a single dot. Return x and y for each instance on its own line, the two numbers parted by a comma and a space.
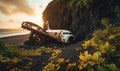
14, 12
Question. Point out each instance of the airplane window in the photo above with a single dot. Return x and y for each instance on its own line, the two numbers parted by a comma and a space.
63, 39
67, 33
55, 33
70, 33
63, 33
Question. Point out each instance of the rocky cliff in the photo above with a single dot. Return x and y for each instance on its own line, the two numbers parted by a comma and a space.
79, 16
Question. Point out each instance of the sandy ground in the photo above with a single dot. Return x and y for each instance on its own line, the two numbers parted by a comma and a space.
68, 52
18, 40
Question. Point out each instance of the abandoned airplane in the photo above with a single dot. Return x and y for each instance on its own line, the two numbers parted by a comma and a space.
39, 34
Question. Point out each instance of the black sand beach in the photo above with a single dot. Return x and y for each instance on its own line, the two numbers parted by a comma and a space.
18, 40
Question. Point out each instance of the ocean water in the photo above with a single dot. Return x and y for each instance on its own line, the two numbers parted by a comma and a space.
12, 32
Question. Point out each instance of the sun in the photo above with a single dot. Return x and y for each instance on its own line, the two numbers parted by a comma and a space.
36, 18
17, 18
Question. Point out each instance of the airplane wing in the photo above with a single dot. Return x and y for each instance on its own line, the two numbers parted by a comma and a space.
36, 30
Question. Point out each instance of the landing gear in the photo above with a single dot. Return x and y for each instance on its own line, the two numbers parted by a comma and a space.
34, 39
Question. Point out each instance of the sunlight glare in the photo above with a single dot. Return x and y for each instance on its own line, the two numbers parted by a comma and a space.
36, 18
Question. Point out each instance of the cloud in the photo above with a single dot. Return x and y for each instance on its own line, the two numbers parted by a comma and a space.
9, 23
41, 7
9, 7
8, 20
11, 20
1, 21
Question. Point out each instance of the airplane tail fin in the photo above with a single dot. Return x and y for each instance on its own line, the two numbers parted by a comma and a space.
47, 23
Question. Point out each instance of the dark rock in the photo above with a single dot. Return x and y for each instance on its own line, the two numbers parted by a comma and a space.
79, 16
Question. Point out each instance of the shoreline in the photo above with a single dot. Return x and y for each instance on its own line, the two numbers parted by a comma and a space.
13, 34
15, 39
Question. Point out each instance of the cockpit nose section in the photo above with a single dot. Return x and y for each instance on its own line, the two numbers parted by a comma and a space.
71, 39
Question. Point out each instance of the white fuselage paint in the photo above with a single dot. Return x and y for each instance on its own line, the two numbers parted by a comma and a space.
64, 36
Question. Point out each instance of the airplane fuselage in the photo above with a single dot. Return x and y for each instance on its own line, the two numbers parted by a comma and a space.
64, 36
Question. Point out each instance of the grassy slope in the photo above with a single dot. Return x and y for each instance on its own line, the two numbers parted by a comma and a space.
98, 53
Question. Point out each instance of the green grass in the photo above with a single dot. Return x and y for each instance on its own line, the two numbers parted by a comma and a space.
105, 57
13, 57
